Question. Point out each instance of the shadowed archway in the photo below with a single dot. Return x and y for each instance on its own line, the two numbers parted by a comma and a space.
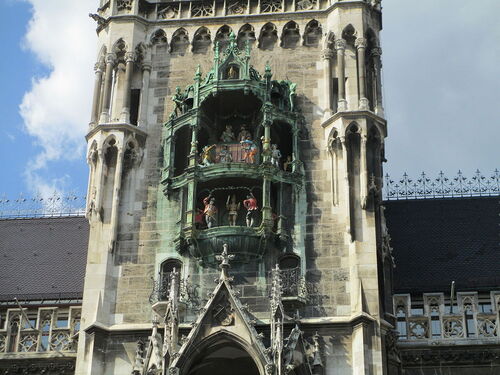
223, 358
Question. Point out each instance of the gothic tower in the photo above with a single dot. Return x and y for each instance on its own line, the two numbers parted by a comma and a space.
235, 151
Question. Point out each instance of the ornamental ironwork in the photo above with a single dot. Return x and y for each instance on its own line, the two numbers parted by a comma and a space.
55, 205
425, 187
292, 283
188, 292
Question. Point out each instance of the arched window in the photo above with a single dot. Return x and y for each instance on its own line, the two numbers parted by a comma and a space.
401, 326
222, 37
159, 38
349, 35
290, 36
166, 269
246, 34
268, 36
180, 42
13, 332
201, 40
312, 34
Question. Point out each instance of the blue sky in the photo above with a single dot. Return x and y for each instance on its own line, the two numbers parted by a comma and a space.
441, 87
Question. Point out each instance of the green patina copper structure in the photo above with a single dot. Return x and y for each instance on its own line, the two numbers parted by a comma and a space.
233, 94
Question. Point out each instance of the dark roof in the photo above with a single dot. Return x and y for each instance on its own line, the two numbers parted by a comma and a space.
437, 241
43, 257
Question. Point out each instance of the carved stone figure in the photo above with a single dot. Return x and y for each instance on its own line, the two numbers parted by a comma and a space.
251, 206
244, 134
227, 135
225, 155
275, 155
210, 211
249, 150
207, 157
232, 209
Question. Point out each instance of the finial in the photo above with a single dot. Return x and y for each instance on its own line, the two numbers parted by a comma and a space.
224, 259
197, 76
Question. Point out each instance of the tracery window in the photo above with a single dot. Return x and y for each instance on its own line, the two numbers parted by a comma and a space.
40, 330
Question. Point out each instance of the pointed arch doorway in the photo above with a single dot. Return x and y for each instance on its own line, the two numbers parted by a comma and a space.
223, 358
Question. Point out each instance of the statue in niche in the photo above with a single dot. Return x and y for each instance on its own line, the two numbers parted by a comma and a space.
210, 211
249, 151
275, 155
232, 209
207, 157
287, 165
244, 133
227, 135
225, 155
251, 206
178, 100
232, 72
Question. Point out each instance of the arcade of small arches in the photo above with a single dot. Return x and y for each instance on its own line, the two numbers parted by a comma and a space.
267, 37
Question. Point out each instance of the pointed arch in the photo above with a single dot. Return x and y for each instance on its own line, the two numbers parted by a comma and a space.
102, 53
268, 36
313, 33
159, 37
120, 47
290, 35
180, 41
246, 34
201, 40
222, 36
349, 34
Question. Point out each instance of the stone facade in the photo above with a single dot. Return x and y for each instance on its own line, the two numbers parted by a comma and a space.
142, 212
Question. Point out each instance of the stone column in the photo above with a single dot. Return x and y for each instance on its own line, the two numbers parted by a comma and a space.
266, 142
340, 45
345, 179
99, 67
327, 76
108, 83
116, 196
363, 172
377, 63
146, 74
129, 59
98, 182
361, 47
194, 146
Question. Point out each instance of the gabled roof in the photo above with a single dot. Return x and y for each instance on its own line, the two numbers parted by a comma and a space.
227, 310
437, 241
43, 258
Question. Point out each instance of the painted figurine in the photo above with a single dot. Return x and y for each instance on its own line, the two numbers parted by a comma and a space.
227, 135
210, 211
275, 155
249, 151
232, 209
178, 101
232, 73
287, 165
206, 156
250, 205
244, 134
225, 155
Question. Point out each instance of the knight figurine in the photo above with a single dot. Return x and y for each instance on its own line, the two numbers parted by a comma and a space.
210, 211
251, 206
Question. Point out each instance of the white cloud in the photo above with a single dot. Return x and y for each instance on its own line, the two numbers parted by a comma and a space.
56, 109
